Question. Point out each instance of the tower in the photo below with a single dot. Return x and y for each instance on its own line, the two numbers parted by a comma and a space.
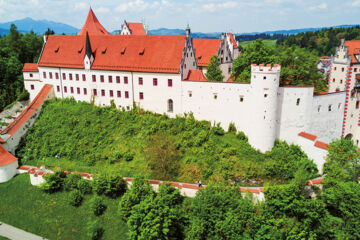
89, 56
263, 104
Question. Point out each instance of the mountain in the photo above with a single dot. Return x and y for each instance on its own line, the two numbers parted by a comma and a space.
167, 31
38, 26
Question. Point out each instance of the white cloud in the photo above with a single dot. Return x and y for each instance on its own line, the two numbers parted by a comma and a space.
212, 7
356, 3
102, 10
81, 6
318, 7
136, 6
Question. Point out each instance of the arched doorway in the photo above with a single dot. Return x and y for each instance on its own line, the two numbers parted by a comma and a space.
170, 106
349, 136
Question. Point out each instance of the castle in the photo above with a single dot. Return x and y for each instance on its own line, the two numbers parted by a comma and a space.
166, 74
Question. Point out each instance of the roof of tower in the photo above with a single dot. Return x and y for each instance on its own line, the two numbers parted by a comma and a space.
30, 67
353, 49
233, 41
88, 51
136, 28
196, 75
93, 26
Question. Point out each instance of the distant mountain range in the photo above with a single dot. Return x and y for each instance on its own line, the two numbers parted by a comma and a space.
41, 26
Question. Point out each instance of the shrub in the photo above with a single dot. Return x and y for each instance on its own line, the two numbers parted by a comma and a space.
242, 136
232, 128
24, 95
217, 130
54, 182
100, 183
84, 186
75, 198
97, 205
71, 182
111, 185
95, 232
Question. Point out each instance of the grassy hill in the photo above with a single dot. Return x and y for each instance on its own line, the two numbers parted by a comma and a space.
270, 43
83, 137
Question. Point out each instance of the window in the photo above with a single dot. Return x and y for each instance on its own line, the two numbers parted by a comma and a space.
357, 104
85, 91
170, 83
84, 77
32, 87
265, 95
102, 92
44, 74
341, 81
126, 94
319, 108
140, 81
190, 93
31, 75
329, 108
342, 69
118, 94
77, 77
154, 81
333, 79
50, 75
64, 76
337, 90
241, 98
264, 77
78, 90
141, 95
110, 79
101, 78
125, 80
117, 79
65, 89
355, 69
94, 78
334, 68
298, 102
111, 92
72, 89
339, 105
58, 88
94, 92
215, 96
70, 76
170, 105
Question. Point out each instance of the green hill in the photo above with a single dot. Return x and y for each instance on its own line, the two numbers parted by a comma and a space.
80, 136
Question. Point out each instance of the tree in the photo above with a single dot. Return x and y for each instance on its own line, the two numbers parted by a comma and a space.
213, 72
342, 161
162, 156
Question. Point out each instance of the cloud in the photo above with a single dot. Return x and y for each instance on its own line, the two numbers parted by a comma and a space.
318, 7
356, 3
136, 6
81, 6
212, 7
102, 10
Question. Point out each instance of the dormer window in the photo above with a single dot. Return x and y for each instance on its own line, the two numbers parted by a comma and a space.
123, 51
141, 52
57, 49
80, 50
104, 51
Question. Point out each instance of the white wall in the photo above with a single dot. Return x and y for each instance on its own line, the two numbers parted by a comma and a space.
8, 171
315, 153
325, 124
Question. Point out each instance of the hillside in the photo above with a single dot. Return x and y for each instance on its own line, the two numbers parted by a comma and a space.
92, 139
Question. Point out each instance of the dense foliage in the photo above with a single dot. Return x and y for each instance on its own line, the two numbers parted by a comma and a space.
321, 42
298, 66
15, 50
213, 72
93, 139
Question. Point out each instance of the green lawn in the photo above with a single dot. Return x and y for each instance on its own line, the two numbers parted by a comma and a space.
50, 216
3, 238
266, 42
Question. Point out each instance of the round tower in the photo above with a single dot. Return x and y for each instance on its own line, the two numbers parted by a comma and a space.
263, 110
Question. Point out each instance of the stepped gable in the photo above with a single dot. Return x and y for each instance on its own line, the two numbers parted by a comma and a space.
93, 26
205, 49
6, 157
136, 28
146, 53
232, 39
353, 49
28, 111
30, 67
196, 75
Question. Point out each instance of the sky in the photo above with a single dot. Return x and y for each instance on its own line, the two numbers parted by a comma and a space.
237, 16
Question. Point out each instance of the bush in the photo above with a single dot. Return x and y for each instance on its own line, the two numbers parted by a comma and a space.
111, 186
100, 184
97, 205
75, 198
71, 182
84, 186
232, 128
24, 95
242, 136
54, 182
218, 130
95, 232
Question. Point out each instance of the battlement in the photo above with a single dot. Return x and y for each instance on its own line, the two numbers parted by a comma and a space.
265, 69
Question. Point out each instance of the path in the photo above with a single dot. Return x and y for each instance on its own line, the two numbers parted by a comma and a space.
16, 233
8, 115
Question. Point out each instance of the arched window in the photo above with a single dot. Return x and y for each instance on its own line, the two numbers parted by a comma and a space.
170, 106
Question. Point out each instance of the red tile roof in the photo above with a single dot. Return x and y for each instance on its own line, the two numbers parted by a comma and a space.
232, 39
324, 57
28, 111
30, 67
308, 136
146, 53
321, 145
6, 157
136, 28
196, 75
205, 49
93, 26
353, 49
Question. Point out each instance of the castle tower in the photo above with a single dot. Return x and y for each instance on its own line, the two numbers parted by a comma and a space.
263, 99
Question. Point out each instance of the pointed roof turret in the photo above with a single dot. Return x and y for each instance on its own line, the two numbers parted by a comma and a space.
88, 51
93, 26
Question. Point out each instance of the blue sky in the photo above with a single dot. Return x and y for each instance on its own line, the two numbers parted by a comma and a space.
202, 15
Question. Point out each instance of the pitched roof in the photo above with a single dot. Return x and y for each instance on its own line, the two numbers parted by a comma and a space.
6, 157
145, 53
136, 28
30, 67
27, 112
321, 145
353, 49
196, 75
233, 41
205, 49
93, 26
308, 136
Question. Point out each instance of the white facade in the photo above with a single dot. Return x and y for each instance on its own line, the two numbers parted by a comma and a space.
8, 171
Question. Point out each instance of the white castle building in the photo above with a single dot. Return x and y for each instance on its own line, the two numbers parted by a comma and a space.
165, 74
